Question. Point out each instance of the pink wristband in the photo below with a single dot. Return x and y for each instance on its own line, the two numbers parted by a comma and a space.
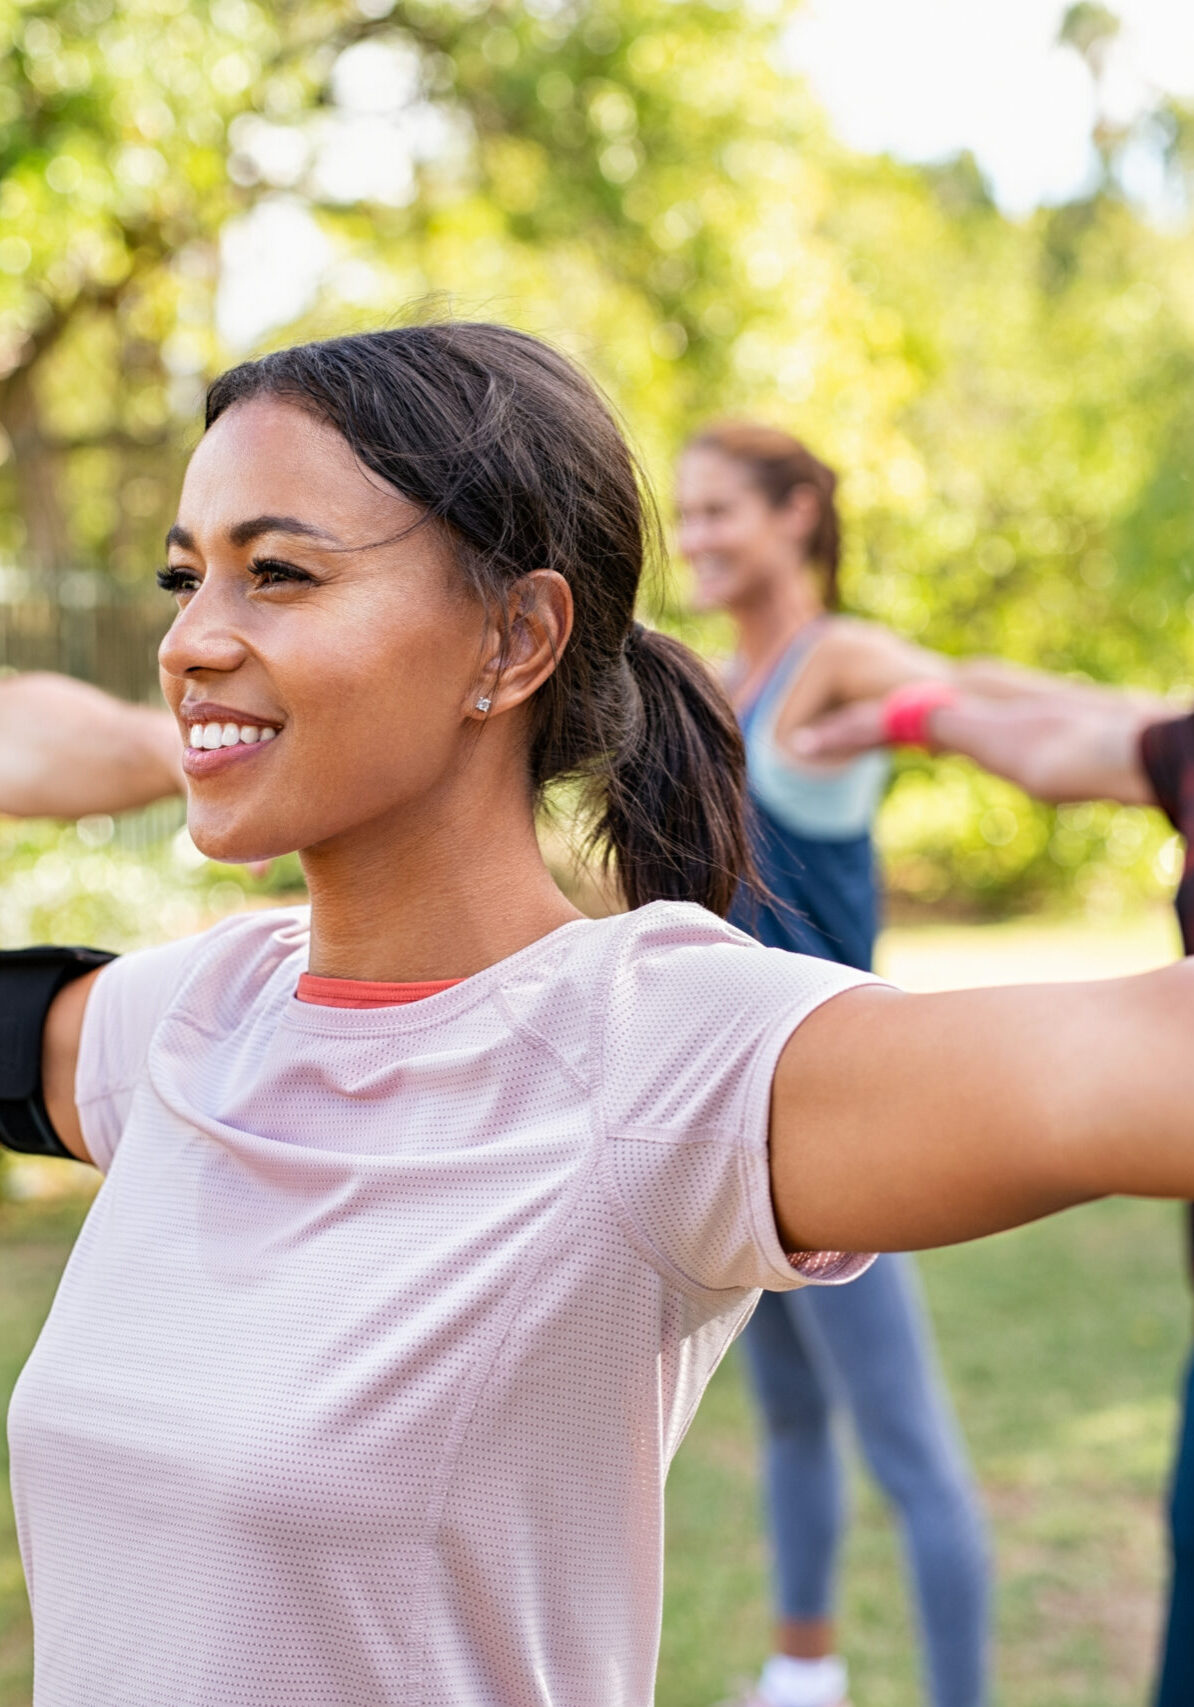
906, 712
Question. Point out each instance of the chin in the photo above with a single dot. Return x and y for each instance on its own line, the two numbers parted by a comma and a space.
718, 592
708, 596
238, 844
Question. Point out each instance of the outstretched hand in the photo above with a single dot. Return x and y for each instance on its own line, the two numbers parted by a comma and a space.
840, 734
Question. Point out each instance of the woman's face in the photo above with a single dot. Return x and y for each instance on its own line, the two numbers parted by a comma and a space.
336, 662
737, 542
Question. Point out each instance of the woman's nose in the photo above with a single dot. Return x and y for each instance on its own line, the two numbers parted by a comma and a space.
202, 636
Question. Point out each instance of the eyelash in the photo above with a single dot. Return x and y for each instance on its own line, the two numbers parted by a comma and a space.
268, 570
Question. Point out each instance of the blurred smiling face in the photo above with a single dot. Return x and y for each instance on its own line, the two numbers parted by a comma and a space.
736, 541
322, 677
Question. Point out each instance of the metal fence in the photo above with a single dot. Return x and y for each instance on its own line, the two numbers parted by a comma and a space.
83, 625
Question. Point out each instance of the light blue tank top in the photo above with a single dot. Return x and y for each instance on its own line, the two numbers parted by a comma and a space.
821, 805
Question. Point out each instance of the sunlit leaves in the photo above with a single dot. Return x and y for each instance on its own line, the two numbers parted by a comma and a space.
1010, 405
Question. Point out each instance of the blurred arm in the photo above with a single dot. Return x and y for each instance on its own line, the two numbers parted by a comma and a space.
993, 678
1084, 746
901, 1122
67, 749
1055, 749
856, 662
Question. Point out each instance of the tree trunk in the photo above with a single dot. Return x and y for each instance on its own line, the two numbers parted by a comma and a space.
37, 465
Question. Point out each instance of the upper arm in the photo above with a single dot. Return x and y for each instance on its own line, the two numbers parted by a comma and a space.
60, 1059
900, 1122
855, 660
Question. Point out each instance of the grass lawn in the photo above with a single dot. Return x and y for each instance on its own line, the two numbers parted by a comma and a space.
1062, 1343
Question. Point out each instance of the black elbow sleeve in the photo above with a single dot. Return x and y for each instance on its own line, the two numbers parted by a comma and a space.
30, 978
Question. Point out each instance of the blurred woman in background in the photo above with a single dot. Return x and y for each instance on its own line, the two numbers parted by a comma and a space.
759, 525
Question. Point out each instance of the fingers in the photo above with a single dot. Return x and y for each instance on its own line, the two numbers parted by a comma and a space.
840, 734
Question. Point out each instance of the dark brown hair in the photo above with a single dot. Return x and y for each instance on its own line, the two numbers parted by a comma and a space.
778, 464
511, 449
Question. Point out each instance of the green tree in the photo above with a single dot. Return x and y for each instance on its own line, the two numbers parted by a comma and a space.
546, 157
1009, 401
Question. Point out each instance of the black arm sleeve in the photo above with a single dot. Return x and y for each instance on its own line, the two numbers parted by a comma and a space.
30, 978
1167, 755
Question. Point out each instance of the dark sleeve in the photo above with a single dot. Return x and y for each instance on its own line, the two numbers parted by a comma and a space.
1167, 755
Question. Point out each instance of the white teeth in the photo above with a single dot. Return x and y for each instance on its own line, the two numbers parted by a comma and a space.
212, 735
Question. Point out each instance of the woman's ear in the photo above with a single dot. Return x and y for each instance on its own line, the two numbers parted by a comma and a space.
520, 654
801, 513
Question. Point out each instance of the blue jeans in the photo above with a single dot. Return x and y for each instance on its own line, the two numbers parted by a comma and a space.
1176, 1688
866, 1347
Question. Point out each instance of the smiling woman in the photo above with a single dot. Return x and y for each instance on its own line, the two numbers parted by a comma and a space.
431, 1211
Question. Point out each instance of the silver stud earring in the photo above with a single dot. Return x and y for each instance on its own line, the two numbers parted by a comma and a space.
483, 704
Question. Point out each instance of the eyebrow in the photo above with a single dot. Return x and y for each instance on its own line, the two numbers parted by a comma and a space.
244, 533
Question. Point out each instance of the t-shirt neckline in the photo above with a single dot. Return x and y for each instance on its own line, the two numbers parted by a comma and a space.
410, 1016
367, 992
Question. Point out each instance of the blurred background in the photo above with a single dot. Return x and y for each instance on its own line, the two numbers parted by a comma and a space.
950, 242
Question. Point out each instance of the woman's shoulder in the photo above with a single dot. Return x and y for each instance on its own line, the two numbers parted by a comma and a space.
674, 958
664, 926
837, 631
237, 956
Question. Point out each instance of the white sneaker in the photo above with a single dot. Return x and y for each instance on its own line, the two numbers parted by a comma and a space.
796, 1683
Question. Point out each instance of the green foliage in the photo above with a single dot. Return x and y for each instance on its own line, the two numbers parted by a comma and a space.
117, 884
949, 832
1009, 402
537, 158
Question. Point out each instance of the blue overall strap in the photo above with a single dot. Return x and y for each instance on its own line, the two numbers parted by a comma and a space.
30, 978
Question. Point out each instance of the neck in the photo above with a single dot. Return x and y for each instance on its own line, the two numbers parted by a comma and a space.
466, 888
773, 615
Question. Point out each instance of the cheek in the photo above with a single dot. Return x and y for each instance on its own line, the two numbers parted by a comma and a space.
387, 693
726, 539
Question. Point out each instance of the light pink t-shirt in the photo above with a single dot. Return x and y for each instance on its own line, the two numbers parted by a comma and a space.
362, 1382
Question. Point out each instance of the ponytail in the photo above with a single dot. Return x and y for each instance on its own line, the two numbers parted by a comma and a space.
673, 818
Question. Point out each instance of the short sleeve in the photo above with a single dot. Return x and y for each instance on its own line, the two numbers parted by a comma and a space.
123, 1009
697, 1017
1167, 755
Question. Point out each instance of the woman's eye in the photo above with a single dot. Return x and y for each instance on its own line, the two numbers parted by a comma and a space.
172, 580
268, 572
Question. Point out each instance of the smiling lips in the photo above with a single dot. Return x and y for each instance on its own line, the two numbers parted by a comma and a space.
212, 735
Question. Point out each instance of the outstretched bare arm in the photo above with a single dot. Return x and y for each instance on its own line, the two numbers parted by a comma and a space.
835, 708
67, 749
1083, 746
900, 1122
